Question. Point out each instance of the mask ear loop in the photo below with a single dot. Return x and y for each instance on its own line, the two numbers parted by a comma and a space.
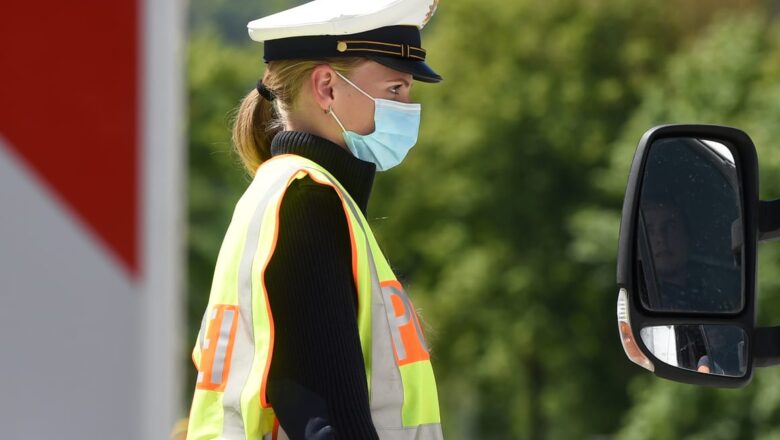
332, 113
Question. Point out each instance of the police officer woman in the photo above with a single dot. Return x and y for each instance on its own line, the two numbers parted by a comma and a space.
308, 334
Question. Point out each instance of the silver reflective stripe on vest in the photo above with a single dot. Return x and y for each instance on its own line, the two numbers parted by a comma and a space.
387, 388
422, 432
222, 344
244, 345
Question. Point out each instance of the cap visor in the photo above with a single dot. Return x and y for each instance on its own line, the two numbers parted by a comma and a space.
418, 69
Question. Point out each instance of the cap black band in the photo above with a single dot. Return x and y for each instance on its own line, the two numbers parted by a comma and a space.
401, 42
396, 47
265, 92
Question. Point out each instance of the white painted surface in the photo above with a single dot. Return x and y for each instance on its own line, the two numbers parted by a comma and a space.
67, 317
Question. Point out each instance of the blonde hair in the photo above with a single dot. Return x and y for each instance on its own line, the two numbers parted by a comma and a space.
258, 120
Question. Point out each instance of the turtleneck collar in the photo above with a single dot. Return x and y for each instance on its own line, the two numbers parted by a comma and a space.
355, 175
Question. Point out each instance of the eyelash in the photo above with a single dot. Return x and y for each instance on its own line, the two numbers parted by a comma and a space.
395, 90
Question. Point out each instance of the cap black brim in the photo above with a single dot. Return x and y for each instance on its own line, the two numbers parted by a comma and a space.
418, 69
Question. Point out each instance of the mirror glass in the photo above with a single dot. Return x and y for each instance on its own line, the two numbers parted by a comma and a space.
708, 349
689, 228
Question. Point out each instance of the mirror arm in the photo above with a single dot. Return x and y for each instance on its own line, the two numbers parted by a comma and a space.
766, 352
768, 220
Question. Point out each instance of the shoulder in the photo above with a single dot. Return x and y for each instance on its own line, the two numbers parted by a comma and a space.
309, 195
312, 238
312, 211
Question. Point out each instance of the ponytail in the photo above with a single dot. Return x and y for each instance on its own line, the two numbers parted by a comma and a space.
254, 127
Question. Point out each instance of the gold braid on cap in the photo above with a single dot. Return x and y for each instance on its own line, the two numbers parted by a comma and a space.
382, 48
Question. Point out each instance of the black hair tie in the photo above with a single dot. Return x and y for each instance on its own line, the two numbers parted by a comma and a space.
265, 92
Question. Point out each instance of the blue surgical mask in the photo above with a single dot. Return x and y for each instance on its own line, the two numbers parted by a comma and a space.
396, 126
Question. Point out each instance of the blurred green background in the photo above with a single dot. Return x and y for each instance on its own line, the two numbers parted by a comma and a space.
503, 220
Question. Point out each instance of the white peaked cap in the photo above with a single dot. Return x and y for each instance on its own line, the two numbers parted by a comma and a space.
341, 17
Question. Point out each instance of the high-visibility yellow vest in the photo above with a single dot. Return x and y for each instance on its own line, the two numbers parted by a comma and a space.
235, 343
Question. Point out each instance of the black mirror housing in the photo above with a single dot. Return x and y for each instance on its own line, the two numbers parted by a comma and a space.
742, 239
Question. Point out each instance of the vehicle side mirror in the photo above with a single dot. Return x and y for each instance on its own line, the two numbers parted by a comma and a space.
687, 256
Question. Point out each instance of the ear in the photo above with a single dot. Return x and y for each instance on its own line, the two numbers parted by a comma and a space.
321, 82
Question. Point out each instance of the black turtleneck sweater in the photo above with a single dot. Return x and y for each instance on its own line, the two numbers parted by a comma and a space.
317, 382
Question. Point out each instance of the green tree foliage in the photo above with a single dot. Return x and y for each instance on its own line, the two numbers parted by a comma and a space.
229, 17
483, 218
503, 220
727, 76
